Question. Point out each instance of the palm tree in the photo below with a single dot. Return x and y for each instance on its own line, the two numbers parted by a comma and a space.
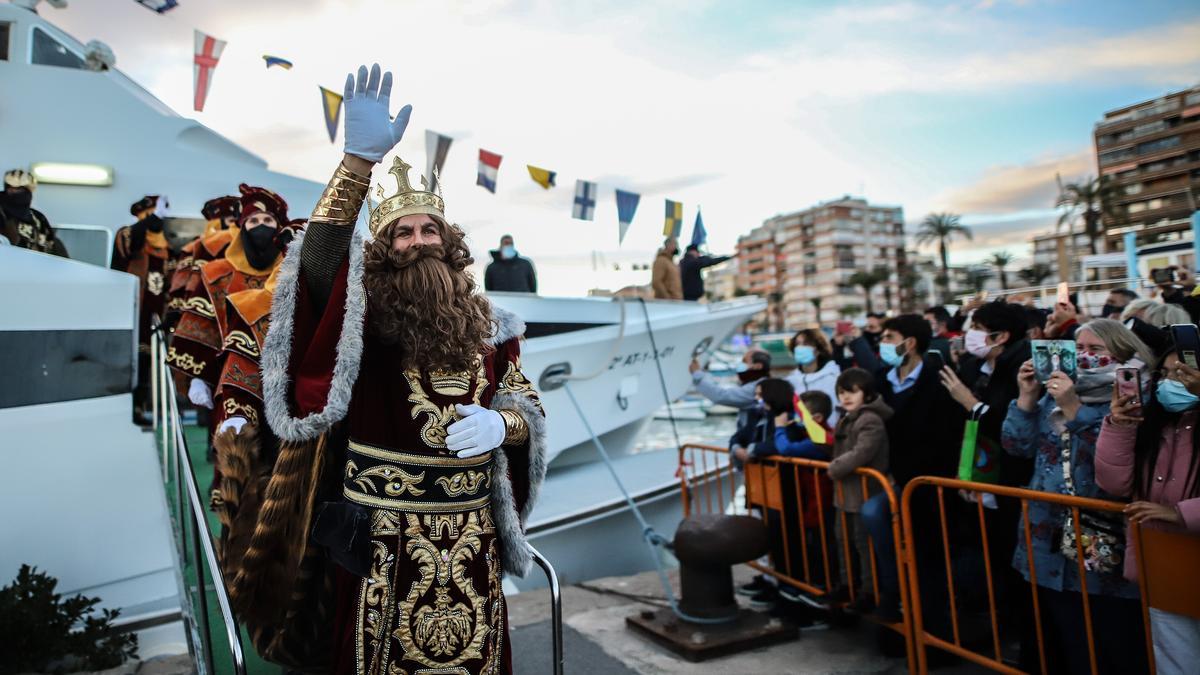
942, 228
1034, 276
816, 303
868, 280
1089, 199
849, 310
1000, 260
976, 277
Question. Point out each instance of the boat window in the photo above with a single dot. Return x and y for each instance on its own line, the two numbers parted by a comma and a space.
50, 52
4, 30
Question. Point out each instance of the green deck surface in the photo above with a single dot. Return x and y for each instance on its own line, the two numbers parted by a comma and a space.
197, 443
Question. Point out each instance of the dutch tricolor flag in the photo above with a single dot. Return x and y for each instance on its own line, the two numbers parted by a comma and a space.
489, 166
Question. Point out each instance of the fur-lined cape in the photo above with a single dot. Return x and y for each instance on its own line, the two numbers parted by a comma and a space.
277, 353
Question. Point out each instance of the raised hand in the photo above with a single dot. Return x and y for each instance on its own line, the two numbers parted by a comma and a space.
370, 130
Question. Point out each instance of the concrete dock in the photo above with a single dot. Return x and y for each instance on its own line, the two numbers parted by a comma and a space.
597, 641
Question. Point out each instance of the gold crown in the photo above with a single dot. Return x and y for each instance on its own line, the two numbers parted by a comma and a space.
449, 383
407, 200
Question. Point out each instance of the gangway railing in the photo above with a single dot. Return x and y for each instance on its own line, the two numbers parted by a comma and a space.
190, 518
177, 464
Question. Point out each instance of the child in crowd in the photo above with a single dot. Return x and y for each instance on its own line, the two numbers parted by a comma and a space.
860, 441
791, 438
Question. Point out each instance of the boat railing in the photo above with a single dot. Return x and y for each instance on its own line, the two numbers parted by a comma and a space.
1046, 292
191, 523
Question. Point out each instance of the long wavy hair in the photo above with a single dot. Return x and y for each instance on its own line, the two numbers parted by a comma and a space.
424, 300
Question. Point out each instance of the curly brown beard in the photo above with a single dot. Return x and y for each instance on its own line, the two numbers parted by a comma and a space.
423, 299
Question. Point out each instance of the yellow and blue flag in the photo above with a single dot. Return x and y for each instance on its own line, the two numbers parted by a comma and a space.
331, 105
277, 61
673, 224
543, 177
816, 432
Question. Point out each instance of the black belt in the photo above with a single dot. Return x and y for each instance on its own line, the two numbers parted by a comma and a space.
421, 483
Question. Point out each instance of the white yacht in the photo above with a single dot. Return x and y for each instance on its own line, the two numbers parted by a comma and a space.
68, 353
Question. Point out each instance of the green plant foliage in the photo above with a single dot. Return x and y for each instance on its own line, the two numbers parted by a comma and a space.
43, 632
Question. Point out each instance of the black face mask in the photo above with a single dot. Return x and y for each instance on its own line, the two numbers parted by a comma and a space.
16, 204
1109, 309
260, 247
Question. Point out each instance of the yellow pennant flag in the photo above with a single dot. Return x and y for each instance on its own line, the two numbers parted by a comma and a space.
331, 104
816, 432
543, 177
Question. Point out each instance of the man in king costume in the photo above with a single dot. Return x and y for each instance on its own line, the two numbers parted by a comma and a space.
412, 446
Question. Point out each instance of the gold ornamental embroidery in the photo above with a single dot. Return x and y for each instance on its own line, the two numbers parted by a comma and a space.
459, 630
437, 418
185, 362
240, 341
200, 306
396, 481
375, 608
235, 409
514, 381
467, 482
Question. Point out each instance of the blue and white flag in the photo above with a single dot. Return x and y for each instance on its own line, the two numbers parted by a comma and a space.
585, 200
627, 203
699, 234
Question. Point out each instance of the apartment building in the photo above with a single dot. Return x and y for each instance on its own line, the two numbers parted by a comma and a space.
1150, 152
794, 258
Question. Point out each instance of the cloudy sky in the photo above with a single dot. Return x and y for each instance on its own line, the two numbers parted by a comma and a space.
747, 109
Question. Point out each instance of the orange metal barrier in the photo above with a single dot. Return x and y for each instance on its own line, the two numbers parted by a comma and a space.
705, 472
922, 638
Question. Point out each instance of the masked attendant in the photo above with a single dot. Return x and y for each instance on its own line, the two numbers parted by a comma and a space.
221, 215
509, 271
249, 260
141, 250
22, 225
412, 446
244, 447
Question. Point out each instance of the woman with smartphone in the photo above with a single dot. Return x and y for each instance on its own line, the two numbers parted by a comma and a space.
1148, 452
1056, 424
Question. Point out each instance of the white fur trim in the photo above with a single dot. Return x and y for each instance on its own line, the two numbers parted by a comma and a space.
508, 326
510, 525
277, 348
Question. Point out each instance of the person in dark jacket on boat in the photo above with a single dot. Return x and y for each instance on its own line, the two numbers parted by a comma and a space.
690, 267
509, 271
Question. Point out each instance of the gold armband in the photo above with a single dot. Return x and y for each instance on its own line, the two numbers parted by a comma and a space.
343, 197
516, 431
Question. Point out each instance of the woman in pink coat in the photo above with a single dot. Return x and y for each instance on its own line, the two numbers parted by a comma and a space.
1152, 456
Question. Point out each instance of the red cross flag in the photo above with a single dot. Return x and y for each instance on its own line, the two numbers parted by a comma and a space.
208, 51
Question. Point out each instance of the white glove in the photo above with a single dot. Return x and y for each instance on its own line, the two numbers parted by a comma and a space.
480, 430
199, 393
235, 423
370, 131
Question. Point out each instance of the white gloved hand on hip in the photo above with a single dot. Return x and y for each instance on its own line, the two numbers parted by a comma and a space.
199, 393
370, 130
235, 423
480, 430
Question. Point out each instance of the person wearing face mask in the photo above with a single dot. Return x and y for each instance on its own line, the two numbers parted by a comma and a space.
816, 369
221, 216
252, 255
754, 366
1150, 455
22, 225
141, 250
509, 271
665, 278
924, 438
1118, 299
1056, 424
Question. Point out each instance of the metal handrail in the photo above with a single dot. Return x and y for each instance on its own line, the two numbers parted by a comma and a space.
555, 607
167, 420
